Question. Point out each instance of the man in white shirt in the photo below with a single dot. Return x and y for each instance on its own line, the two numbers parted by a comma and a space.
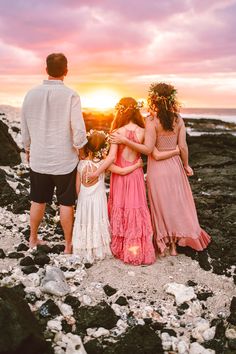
53, 131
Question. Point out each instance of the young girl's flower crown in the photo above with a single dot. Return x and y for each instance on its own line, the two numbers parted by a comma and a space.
103, 152
121, 108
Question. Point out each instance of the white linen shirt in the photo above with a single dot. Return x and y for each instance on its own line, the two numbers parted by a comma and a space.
52, 127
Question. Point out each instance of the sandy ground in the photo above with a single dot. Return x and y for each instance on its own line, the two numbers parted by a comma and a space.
143, 283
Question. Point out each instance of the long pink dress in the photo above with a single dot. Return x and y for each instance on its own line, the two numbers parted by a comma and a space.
129, 215
172, 206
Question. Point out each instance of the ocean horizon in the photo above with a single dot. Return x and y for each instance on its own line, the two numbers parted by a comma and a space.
224, 114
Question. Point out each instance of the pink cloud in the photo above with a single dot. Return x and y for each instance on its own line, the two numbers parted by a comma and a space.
111, 39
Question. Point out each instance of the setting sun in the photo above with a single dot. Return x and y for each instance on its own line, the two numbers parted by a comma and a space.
100, 99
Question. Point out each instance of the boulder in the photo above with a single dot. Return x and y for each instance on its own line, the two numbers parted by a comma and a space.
9, 152
19, 329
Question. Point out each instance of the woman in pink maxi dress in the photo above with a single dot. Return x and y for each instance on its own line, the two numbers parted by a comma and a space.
173, 212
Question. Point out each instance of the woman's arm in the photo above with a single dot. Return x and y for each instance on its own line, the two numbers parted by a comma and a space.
163, 155
149, 139
182, 143
106, 163
77, 182
125, 170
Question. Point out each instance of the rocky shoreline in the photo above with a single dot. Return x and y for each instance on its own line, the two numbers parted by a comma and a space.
51, 303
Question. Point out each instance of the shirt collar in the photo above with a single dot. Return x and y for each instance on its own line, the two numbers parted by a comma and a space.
53, 82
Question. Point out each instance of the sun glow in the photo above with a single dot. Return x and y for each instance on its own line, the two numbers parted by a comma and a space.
100, 99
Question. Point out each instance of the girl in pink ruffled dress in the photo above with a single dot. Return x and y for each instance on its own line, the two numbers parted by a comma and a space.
131, 229
174, 216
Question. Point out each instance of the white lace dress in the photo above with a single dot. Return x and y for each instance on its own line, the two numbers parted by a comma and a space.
91, 232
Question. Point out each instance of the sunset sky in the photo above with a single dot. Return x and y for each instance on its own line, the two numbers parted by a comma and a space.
117, 48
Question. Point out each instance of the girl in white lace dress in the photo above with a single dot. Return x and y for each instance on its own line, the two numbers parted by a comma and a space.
91, 232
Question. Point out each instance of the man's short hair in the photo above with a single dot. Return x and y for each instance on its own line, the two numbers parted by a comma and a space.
56, 64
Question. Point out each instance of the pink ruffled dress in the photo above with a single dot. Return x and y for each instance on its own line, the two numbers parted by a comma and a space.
129, 215
173, 210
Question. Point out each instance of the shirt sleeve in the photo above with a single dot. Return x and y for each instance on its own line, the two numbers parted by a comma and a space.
77, 123
24, 128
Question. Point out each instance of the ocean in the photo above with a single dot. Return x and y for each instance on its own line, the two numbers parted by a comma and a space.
224, 114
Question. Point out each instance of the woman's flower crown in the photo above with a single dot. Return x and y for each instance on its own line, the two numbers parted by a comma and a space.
121, 108
154, 97
103, 152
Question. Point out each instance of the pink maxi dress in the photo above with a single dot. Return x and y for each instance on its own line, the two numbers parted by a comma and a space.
173, 210
129, 215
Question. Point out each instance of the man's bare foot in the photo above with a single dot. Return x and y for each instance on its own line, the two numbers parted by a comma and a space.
35, 243
68, 249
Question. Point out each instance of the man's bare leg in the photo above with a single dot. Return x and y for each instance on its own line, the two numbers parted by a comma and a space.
36, 215
67, 219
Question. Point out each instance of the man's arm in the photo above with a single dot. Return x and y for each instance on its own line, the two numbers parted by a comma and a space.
24, 128
77, 124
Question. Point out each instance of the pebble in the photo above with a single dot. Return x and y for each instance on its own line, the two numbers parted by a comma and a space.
101, 332
54, 282
209, 333
182, 347
66, 310
32, 280
86, 300
230, 333
23, 218
54, 325
73, 343
181, 292
196, 348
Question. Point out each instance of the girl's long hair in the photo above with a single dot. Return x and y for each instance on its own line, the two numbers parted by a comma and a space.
127, 111
162, 99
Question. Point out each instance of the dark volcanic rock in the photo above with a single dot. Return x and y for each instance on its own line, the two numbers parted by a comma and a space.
138, 340
232, 317
58, 249
27, 261
213, 159
7, 195
41, 259
22, 247
21, 204
30, 269
31, 298
19, 330
94, 347
88, 265
121, 301
72, 301
49, 309
202, 296
109, 291
43, 249
16, 255
2, 253
101, 315
9, 152
66, 327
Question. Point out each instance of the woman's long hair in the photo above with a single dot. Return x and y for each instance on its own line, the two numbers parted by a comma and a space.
162, 99
127, 111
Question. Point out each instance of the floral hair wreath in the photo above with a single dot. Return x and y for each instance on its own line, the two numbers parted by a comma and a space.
121, 108
103, 152
154, 97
